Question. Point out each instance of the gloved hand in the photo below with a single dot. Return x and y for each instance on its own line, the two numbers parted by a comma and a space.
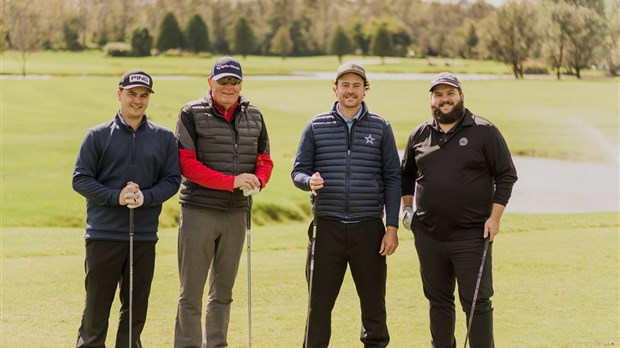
250, 192
135, 199
407, 217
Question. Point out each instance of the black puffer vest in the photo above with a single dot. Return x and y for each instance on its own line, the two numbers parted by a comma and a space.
228, 147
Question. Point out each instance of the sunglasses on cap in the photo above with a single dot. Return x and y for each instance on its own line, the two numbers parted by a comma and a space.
228, 80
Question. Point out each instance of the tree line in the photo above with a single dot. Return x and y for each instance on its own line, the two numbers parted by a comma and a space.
532, 36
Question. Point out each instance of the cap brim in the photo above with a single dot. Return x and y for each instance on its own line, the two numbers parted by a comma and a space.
134, 86
219, 76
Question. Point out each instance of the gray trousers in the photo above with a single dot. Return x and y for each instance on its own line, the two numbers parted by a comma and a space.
209, 246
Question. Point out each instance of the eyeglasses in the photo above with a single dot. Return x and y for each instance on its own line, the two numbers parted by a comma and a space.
228, 80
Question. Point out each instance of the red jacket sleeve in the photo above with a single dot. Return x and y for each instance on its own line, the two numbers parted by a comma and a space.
197, 172
264, 166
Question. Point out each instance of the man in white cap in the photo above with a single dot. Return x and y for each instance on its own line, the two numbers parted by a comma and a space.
460, 171
347, 157
225, 160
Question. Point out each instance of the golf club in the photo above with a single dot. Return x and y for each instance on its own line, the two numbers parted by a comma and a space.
311, 266
131, 231
473, 303
248, 234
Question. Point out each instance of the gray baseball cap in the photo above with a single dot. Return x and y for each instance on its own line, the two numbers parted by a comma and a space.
351, 68
446, 78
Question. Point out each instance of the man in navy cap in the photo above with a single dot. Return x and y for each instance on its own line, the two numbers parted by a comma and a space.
126, 163
459, 168
225, 160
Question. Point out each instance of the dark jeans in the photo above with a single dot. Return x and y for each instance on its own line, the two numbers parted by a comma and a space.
106, 266
442, 264
339, 244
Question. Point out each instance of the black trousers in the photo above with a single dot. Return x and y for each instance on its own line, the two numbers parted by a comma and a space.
442, 264
106, 266
357, 244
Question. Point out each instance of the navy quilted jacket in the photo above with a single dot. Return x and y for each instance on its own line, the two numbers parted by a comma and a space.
360, 166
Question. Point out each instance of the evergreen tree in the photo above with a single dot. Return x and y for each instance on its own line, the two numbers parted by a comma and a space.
381, 44
339, 43
71, 34
220, 43
281, 44
197, 35
244, 39
360, 38
141, 42
170, 36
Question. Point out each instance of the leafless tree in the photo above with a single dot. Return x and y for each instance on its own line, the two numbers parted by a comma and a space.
24, 25
513, 35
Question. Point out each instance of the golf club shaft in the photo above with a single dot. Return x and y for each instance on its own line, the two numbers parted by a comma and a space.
248, 236
131, 232
473, 303
311, 266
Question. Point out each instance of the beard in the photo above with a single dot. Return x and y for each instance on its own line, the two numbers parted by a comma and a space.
452, 116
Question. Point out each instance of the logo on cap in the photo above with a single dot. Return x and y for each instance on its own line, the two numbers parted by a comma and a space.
139, 78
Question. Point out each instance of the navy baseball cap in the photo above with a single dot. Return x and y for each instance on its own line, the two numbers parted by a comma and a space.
136, 78
226, 66
446, 78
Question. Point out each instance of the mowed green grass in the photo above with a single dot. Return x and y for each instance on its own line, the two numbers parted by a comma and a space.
44, 122
556, 285
92, 63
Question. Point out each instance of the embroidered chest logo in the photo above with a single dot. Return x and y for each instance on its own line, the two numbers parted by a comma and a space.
463, 141
370, 139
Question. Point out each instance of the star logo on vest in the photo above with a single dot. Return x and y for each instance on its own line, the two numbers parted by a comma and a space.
369, 139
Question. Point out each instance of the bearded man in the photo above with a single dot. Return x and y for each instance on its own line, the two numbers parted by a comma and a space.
460, 171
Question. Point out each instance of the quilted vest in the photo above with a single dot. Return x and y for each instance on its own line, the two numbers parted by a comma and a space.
228, 147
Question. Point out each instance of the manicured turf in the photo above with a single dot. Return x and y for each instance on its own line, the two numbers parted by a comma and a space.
556, 285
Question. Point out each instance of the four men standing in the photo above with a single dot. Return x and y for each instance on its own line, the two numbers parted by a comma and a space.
457, 166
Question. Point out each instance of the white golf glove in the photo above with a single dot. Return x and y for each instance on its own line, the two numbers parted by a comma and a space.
137, 198
407, 217
250, 192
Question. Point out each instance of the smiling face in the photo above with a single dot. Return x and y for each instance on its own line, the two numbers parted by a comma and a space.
226, 95
350, 91
447, 103
133, 102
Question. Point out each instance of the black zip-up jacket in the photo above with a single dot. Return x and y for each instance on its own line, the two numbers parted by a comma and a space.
360, 166
111, 155
457, 176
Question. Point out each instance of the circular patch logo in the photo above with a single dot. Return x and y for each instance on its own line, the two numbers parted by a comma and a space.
463, 141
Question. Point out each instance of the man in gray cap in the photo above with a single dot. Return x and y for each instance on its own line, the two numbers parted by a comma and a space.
347, 158
225, 160
460, 171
